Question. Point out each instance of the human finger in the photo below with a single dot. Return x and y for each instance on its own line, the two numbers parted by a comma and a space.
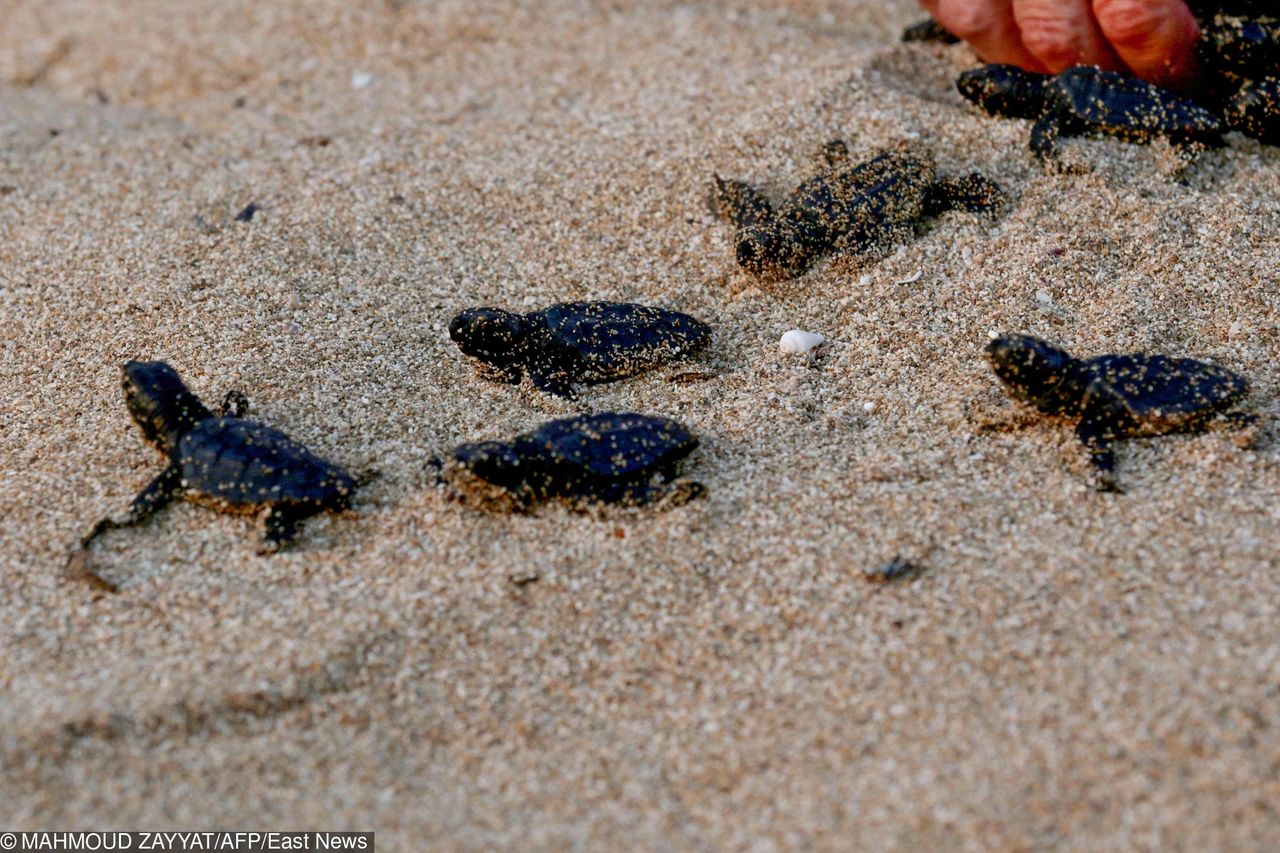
1156, 39
1063, 33
987, 25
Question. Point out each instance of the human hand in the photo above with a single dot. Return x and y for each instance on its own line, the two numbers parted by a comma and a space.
1153, 39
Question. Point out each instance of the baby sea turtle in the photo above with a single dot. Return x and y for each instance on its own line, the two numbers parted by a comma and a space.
1249, 47
896, 569
848, 206
572, 342
607, 458
1116, 396
1254, 110
1087, 100
1243, 58
223, 461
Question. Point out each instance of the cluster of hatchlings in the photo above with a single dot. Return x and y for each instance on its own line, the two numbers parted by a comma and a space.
231, 463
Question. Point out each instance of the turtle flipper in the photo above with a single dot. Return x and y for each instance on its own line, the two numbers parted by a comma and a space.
667, 494
679, 492
1246, 425
1044, 138
158, 494
508, 374
234, 405
552, 381
1096, 433
1046, 133
1186, 151
973, 193
835, 153
740, 204
280, 528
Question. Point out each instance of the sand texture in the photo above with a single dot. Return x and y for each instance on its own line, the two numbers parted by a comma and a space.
1071, 669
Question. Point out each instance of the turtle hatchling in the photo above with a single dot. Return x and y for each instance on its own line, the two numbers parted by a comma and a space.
1089, 101
1116, 396
1243, 57
608, 458
586, 342
1244, 46
849, 206
224, 461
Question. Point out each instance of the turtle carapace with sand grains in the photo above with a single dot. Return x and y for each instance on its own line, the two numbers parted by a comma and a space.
1242, 56
849, 207
1087, 100
608, 458
587, 342
1245, 46
225, 462
1116, 396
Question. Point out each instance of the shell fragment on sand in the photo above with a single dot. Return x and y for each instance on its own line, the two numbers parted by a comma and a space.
797, 341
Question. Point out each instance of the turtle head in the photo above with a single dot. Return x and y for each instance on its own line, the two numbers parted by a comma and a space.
1005, 90
162, 406
492, 461
771, 254
491, 335
488, 474
1034, 372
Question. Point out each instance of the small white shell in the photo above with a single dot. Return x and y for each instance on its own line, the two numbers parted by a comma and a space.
796, 341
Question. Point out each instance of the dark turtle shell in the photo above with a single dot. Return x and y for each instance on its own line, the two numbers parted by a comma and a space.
245, 465
1254, 110
1249, 47
618, 339
854, 205
1164, 394
1126, 106
1005, 90
608, 445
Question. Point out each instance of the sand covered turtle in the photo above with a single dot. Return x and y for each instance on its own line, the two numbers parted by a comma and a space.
607, 458
1089, 101
1242, 55
849, 207
223, 461
1247, 46
575, 342
1254, 110
1116, 396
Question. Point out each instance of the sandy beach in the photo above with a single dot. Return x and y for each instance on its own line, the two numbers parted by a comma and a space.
1070, 670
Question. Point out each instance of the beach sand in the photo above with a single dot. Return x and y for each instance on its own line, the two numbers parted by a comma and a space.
1070, 668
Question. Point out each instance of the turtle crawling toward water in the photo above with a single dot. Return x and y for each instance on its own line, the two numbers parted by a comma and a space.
1089, 101
1116, 396
848, 206
224, 461
608, 458
586, 342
